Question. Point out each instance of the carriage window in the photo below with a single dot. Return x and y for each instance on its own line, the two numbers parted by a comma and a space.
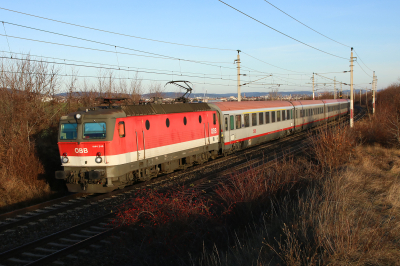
283, 115
226, 123
288, 114
291, 113
238, 121
297, 114
273, 117
232, 122
254, 119
94, 130
246, 120
261, 118
68, 131
214, 119
121, 129
266, 117
278, 116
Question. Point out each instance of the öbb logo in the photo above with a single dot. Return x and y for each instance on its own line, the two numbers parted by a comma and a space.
81, 150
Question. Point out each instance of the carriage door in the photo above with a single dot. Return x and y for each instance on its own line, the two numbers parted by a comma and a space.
225, 129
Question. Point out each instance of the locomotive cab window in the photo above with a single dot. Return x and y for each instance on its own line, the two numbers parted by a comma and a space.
95, 130
68, 131
214, 119
121, 129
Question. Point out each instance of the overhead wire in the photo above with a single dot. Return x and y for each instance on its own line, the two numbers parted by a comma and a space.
106, 51
363, 70
126, 35
361, 60
281, 32
116, 33
96, 63
107, 44
116, 78
110, 68
306, 25
270, 64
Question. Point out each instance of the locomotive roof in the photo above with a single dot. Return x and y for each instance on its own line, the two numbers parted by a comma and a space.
152, 109
231, 106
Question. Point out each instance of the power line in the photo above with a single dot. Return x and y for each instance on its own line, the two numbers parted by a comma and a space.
102, 43
281, 32
127, 36
100, 50
116, 78
269, 63
364, 70
362, 60
306, 25
103, 64
5, 32
109, 68
116, 33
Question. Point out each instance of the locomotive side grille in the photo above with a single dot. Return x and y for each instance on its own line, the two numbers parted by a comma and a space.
132, 110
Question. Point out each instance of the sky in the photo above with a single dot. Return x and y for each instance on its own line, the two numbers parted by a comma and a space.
269, 59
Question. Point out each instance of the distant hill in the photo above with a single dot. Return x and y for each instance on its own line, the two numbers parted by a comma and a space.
215, 95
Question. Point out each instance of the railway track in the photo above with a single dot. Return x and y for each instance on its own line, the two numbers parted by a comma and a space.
76, 238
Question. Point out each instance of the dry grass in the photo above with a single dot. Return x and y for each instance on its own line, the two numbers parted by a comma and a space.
350, 217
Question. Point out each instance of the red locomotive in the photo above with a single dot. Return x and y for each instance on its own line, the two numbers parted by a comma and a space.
108, 147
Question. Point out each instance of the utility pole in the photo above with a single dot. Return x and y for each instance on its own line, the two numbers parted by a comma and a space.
313, 97
334, 88
351, 90
366, 97
341, 92
360, 96
238, 76
373, 92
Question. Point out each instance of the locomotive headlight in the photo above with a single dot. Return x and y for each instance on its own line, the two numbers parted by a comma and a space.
98, 158
65, 158
78, 116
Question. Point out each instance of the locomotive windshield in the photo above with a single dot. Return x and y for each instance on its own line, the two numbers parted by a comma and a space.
68, 131
94, 130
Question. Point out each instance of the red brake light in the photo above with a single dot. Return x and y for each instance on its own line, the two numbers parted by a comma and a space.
65, 154
98, 154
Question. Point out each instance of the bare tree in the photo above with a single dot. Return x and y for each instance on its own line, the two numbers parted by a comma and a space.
156, 90
274, 94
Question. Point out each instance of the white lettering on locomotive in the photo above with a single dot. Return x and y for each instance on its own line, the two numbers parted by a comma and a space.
213, 130
81, 150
